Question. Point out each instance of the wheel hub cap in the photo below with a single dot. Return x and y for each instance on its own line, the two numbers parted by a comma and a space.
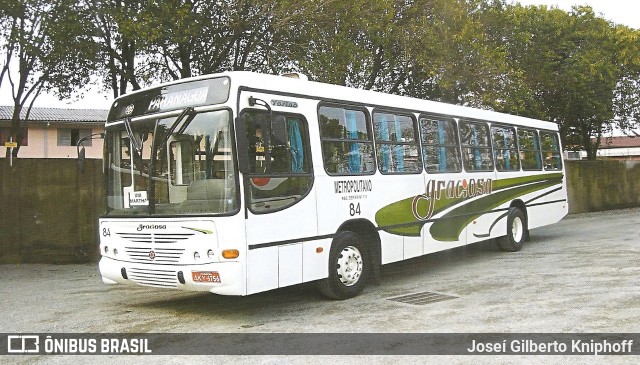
516, 229
350, 266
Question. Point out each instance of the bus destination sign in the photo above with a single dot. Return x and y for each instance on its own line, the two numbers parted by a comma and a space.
172, 97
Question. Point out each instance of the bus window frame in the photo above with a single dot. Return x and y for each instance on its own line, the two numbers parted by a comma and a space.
249, 175
368, 123
557, 136
165, 114
458, 146
539, 150
416, 134
490, 146
515, 135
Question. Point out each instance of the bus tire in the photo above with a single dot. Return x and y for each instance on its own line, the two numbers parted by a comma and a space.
349, 267
516, 231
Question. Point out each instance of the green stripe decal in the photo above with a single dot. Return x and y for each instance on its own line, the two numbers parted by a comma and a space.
204, 231
413, 212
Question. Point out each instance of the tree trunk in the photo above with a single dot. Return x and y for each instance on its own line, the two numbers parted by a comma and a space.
15, 131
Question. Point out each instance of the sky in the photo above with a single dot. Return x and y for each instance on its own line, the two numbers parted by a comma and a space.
626, 12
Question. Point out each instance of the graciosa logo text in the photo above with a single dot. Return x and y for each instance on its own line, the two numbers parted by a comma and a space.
151, 226
451, 190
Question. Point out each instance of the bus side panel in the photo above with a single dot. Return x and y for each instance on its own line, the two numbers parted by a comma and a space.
262, 273
550, 208
413, 247
543, 215
557, 196
289, 265
432, 245
392, 247
390, 191
559, 201
487, 226
315, 258
341, 199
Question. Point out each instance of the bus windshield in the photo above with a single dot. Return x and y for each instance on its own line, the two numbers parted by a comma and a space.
180, 165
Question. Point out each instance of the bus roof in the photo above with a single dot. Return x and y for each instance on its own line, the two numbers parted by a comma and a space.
323, 91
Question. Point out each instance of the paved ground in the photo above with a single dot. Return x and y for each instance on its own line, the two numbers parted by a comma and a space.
581, 275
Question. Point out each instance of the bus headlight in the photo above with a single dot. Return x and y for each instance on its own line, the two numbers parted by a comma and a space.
211, 254
196, 255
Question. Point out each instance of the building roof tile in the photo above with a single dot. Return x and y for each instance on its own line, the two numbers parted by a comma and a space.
53, 115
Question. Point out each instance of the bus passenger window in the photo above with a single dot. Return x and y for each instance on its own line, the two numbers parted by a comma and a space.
551, 151
476, 149
441, 149
396, 143
347, 144
505, 152
529, 146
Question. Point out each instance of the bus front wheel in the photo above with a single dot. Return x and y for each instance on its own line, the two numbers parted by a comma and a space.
349, 267
516, 231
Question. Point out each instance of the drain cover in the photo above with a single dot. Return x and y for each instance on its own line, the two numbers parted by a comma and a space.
422, 298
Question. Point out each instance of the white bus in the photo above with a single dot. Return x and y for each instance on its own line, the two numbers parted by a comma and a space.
238, 183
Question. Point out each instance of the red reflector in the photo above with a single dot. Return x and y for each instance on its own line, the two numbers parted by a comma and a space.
260, 181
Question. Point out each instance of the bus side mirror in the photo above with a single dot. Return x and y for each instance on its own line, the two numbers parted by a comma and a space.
81, 150
81, 158
243, 141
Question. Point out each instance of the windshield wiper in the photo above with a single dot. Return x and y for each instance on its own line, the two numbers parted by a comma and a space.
135, 142
152, 166
186, 112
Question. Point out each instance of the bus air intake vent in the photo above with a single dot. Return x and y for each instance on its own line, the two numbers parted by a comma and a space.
422, 298
155, 237
153, 277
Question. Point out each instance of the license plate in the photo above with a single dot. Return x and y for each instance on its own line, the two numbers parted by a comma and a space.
205, 277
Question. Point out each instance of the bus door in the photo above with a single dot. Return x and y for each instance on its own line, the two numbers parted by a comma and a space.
280, 208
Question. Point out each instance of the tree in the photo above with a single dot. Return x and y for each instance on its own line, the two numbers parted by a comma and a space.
114, 22
567, 67
151, 41
345, 43
453, 59
627, 93
433, 49
48, 47
572, 68
182, 38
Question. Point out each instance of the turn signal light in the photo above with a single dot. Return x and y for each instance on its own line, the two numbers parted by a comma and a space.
230, 254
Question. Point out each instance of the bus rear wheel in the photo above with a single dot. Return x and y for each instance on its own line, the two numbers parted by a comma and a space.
516, 231
349, 267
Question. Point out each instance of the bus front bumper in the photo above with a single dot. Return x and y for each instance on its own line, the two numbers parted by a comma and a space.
218, 278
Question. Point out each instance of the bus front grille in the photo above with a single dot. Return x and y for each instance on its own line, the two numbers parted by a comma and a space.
154, 277
154, 255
